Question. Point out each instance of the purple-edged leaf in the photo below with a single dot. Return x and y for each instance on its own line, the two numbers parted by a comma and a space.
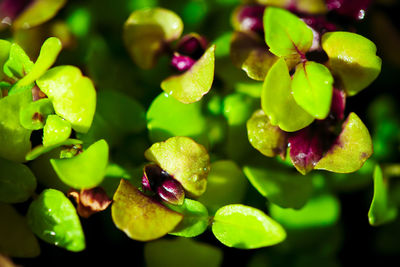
248, 18
351, 149
286, 35
353, 59
191, 85
305, 150
185, 160
351, 8
249, 52
139, 216
147, 30
278, 103
263, 136
312, 87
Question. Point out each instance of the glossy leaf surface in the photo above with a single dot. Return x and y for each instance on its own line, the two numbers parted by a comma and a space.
282, 187
351, 149
16, 239
191, 85
226, 184
14, 138
48, 55
312, 87
85, 170
145, 32
163, 252
320, 211
53, 218
382, 209
56, 131
353, 58
263, 136
139, 216
18, 63
17, 182
278, 103
73, 95
195, 218
285, 34
40, 149
245, 227
184, 159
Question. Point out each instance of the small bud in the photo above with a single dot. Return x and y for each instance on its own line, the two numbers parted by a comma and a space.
90, 201
251, 18
182, 63
171, 191
192, 45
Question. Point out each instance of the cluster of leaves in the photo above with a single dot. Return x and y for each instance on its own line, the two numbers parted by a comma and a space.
195, 158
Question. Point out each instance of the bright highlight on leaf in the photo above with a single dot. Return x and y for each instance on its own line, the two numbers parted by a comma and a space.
245, 227
286, 35
56, 130
382, 210
85, 170
185, 160
312, 87
353, 58
73, 95
191, 85
139, 216
278, 103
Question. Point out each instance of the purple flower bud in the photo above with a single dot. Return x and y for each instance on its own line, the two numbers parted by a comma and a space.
251, 18
153, 175
171, 191
192, 45
12, 8
351, 8
182, 63
338, 104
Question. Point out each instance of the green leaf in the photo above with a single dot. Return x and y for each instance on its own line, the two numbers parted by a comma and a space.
139, 216
48, 55
117, 115
278, 103
147, 30
312, 87
34, 115
73, 95
382, 209
320, 211
184, 159
286, 35
40, 149
263, 136
248, 52
4, 54
163, 253
352, 148
245, 227
16, 239
282, 187
56, 131
191, 85
226, 184
18, 63
38, 12
17, 182
167, 117
238, 107
353, 59
195, 218
53, 218
85, 170
14, 138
